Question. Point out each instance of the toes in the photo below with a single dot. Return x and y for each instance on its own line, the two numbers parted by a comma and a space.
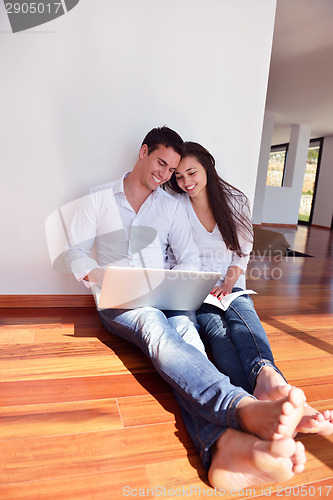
287, 409
285, 447
298, 469
327, 415
320, 417
282, 431
296, 397
299, 457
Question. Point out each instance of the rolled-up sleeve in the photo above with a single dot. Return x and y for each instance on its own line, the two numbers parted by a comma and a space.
184, 249
81, 236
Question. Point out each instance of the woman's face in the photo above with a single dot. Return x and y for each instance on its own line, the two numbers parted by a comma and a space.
191, 176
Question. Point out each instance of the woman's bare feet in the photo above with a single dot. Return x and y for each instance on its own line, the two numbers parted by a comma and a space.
270, 385
314, 422
241, 460
271, 420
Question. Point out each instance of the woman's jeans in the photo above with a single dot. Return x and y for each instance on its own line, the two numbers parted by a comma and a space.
170, 339
237, 340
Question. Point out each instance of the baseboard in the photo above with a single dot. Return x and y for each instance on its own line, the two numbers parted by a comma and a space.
321, 227
287, 226
15, 301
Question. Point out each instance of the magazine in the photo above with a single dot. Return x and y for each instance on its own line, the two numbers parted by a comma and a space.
225, 302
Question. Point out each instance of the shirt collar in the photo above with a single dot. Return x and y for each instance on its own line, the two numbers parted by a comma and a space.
119, 187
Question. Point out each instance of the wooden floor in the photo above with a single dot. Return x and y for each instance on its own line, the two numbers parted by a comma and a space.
84, 415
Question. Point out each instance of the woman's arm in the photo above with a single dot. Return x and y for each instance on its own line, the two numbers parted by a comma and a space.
238, 264
230, 279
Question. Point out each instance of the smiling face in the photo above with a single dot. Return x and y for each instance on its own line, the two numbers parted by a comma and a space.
158, 166
191, 176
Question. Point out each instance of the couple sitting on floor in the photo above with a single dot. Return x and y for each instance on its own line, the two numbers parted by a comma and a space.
240, 412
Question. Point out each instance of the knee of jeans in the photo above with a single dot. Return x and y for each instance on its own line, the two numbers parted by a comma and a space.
147, 317
243, 301
213, 328
184, 323
166, 351
187, 327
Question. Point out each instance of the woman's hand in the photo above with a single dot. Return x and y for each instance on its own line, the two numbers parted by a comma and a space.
230, 279
221, 291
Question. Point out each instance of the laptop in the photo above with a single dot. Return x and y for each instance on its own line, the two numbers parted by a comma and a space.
130, 288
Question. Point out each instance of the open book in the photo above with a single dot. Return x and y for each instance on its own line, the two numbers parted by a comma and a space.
225, 302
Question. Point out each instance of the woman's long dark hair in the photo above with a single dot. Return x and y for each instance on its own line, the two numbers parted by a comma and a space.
220, 194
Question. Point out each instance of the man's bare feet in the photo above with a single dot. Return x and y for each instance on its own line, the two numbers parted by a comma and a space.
241, 460
314, 422
270, 385
271, 419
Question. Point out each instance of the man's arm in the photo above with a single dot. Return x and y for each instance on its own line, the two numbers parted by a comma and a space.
95, 277
81, 236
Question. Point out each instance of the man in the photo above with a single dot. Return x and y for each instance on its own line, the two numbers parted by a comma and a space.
215, 412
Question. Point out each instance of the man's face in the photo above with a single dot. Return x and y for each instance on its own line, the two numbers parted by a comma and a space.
157, 168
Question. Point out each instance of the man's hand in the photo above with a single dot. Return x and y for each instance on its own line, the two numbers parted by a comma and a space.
95, 276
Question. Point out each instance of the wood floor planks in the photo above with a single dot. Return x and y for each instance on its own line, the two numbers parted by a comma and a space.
110, 485
83, 414
78, 366
80, 388
59, 418
145, 410
44, 457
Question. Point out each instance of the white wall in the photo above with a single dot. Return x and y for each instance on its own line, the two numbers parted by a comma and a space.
281, 204
265, 149
79, 93
323, 209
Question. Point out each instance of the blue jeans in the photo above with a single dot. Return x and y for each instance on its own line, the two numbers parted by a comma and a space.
237, 340
240, 348
170, 339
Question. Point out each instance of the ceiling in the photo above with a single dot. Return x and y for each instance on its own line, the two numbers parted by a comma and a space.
300, 86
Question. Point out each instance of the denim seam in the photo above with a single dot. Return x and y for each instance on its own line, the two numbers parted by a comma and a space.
231, 411
252, 379
255, 371
248, 327
205, 453
209, 438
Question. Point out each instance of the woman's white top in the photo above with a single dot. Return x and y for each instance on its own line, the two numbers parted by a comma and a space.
214, 254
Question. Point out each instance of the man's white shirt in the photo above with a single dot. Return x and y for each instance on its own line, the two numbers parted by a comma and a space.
122, 237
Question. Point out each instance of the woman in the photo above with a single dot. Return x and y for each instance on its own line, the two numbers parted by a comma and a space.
222, 229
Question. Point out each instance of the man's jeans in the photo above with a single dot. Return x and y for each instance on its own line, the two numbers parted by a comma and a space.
207, 398
237, 340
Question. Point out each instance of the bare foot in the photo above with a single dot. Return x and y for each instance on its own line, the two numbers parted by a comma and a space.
314, 422
270, 385
241, 460
271, 419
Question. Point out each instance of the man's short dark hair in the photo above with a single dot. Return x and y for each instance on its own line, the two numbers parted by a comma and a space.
163, 136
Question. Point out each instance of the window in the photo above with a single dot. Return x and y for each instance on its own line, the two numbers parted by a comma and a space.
276, 165
310, 181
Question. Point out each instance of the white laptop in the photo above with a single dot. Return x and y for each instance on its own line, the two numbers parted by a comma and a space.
129, 288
